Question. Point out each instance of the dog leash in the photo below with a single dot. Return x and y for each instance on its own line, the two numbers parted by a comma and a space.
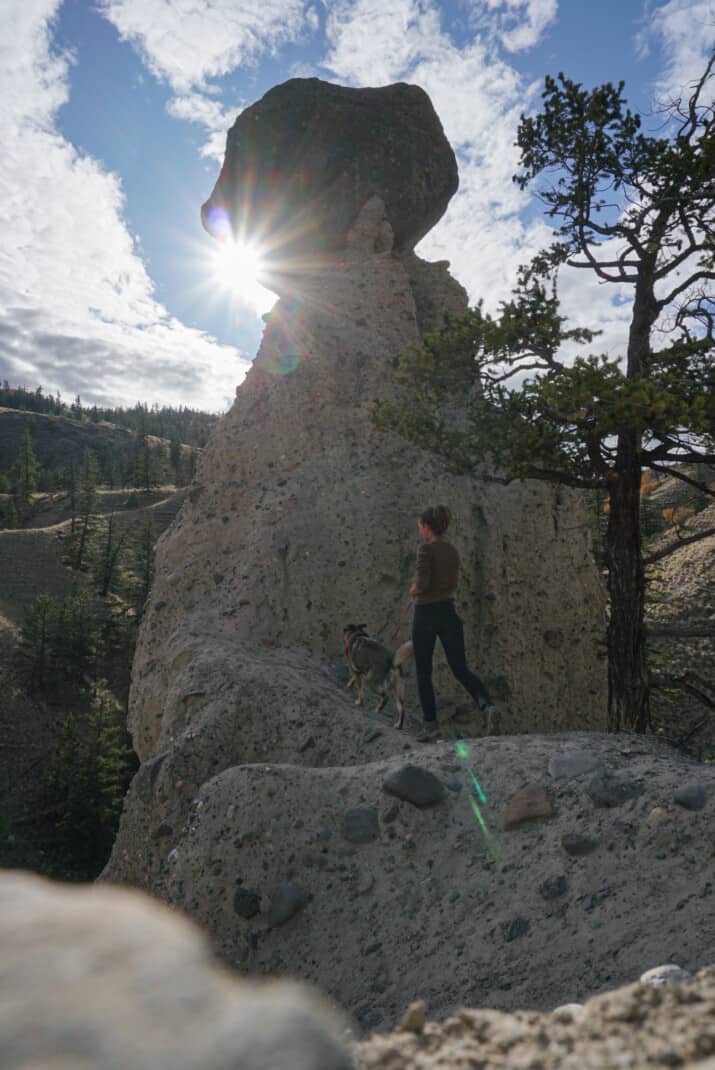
401, 621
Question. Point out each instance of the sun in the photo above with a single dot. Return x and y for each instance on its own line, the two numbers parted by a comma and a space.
236, 268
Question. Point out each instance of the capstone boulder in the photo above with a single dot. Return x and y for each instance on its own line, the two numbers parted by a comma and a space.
303, 161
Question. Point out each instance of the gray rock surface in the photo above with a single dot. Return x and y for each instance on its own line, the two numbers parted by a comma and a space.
360, 825
572, 763
107, 979
425, 910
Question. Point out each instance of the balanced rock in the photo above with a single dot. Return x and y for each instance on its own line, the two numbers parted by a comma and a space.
303, 161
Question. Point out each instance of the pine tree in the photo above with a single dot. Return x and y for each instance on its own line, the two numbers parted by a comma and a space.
636, 211
175, 458
143, 565
86, 515
107, 564
25, 475
87, 780
37, 647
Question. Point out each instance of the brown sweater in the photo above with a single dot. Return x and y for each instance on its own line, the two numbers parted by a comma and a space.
437, 572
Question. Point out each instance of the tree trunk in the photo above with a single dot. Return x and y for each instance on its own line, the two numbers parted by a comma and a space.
628, 690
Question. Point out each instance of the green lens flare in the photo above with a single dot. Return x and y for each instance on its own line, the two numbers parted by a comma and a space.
462, 751
487, 835
480, 794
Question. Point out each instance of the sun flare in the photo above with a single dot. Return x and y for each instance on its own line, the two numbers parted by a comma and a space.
237, 267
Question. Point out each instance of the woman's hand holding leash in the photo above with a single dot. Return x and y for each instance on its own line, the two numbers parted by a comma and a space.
403, 618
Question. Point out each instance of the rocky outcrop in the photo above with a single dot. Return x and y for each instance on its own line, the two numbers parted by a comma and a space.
303, 519
639, 1026
380, 881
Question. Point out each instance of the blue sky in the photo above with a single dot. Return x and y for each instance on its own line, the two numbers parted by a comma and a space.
113, 118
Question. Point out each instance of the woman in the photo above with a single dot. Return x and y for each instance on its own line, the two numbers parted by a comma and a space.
436, 617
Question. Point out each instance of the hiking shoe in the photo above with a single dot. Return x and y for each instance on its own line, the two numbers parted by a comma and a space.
429, 732
493, 717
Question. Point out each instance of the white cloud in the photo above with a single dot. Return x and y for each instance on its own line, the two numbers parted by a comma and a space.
188, 41
373, 43
478, 98
685, 31
520, 24
485, 233
209, 113
78, 305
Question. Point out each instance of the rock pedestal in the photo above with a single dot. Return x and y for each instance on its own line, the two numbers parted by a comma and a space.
302, 520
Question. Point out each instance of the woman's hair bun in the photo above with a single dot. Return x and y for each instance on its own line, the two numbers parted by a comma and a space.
437, 517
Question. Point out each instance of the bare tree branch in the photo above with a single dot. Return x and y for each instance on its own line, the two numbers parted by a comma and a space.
696, 277
686, 681
681, 631
691, 124
658, 555
693, 458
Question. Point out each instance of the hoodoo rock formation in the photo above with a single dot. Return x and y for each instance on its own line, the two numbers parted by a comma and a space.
303, 519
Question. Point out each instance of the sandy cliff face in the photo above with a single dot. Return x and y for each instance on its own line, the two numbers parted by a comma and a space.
303, 519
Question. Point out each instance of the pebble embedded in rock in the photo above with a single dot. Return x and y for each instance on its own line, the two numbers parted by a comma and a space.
246, 903
576, 844
415, 785
527, 805
515, 928
605, 790
573, 763
657, 815
360, 825
363, 883
287, 901
414, 1018
567, 1012
553, 887
665, 975
691, 797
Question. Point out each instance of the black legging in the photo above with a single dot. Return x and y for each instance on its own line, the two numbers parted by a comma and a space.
440, 620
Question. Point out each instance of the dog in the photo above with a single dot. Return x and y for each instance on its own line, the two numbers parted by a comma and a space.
369, 660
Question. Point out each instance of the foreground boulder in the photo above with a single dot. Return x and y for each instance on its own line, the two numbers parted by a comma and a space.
105, 979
